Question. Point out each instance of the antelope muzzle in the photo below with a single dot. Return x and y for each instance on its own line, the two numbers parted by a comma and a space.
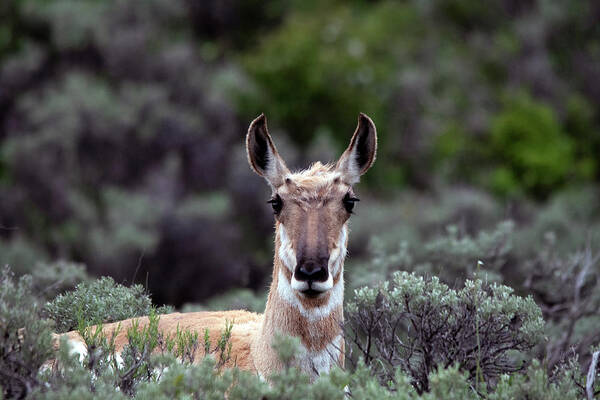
313, 274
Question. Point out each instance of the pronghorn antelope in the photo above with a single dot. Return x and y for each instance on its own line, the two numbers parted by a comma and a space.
311, 208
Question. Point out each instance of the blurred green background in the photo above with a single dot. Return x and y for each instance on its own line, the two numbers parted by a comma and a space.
122, 129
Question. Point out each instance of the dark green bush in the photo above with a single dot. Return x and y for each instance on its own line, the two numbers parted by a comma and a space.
536, 155
458, 255
316, 72
21, 254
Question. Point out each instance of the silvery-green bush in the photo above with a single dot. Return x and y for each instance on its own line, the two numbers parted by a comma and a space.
150, 370
25, 338
418, 324
101, 300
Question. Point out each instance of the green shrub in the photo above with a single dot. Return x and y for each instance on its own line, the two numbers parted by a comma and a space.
98, 301
572, 217
50, 279
202, 381
535, 153
536, 385
417, 324
579, 123
568, 292
72, 380
21, 254
427, 342
452, 256
26, 341
456, 255
326, 67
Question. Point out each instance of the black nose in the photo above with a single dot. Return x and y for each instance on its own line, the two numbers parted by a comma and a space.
311, 271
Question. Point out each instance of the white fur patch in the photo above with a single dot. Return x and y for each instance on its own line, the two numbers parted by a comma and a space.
77, 348
119, 359
319, 362
320, 286
348, 166
336, 298
286, 252
337, 256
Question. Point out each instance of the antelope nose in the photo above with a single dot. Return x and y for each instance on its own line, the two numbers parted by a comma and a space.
312, 272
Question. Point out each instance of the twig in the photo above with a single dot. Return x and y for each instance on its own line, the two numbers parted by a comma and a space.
591, 375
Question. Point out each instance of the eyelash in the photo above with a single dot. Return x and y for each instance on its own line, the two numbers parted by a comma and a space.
349, 202
276, 203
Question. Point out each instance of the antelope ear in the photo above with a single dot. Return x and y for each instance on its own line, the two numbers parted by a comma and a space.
360, 154
262, 153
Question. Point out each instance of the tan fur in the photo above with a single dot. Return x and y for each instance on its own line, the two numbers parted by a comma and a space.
244, 327
313, 217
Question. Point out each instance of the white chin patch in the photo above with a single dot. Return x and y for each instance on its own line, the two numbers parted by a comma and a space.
286, 292
319, 286
323, 286
299, 285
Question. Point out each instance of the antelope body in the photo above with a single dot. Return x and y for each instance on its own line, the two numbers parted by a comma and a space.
311, 208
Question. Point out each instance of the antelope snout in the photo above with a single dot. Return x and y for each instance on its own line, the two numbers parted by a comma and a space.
311, 276
312, 271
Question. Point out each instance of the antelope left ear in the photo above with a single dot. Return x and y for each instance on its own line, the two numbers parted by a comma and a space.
360, 154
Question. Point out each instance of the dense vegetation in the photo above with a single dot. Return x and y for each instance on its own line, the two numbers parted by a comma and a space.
122, 123
475, 338
121, 155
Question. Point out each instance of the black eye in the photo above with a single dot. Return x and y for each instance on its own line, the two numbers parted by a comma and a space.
349, 202
276, 203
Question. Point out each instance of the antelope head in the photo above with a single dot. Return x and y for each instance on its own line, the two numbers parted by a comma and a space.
311, 209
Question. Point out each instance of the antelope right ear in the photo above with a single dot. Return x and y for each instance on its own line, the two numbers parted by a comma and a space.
262, 153
360, 154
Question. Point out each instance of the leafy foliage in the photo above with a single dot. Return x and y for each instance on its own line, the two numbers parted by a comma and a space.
536, 384
120, 148
26, 339
121, 123
567, 291
50, 279
98, 301
438, 99
534, 152
418, 324
446, 337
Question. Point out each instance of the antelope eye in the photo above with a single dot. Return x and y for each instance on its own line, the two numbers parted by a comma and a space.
276, 203
349, 202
